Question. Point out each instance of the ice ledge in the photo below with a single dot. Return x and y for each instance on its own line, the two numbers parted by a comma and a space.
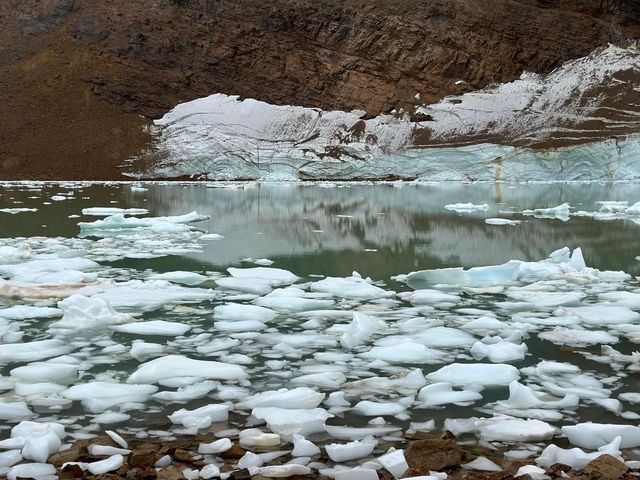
609, 160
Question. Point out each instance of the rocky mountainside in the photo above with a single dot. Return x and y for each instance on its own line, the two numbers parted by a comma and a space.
79, 79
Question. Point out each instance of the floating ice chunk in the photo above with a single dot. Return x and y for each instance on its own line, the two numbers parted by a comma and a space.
361, 328
258, 286
191, 474
289, 421
254, 437
483, 464
536, 473
475, 373
395, 463
143, 350
107, 450
523, 397
596, 435
350, 287
444, 337
575, 457
139, 295
303, 447
210, 471
500, 352
39, 471
107, 418
561, 212
292, 303
601, 314
577, 337
546, 299
239, 326
188, 392
100, 396
154, 327
297, 398
467, 207
623, 298
474, 277
172, 366
374, 409
404, 352
184, 278
218, 446
21, 312
107, 465
14, 411
10, 458
40, 439
13, 211
356, 474
117, 438
275, 276
428, 297
342, 452
46, 371
82, 312
501, 221
32, 351
485, 323
442, 393
201, 417
509, 429
211, 236
108, 211
237, 311
350, 433
161, 224
28, 270
282, 471
322, 380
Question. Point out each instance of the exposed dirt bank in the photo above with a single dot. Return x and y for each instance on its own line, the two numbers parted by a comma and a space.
78, 76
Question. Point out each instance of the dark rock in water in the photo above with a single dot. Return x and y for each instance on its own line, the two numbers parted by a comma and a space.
170, 473
605, 467
433, 454
145, 455
235, 452
240, 475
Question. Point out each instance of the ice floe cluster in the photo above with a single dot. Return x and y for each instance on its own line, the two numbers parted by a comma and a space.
263, 357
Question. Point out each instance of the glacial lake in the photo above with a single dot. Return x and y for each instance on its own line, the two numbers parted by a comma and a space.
317, 232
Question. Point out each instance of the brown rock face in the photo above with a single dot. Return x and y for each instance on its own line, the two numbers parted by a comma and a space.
605, 467
432, 454
76, 74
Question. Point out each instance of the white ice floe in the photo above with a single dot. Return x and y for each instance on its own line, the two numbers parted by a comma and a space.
361, 327
303, 447
395, 463
442, 393
501, 221
217, 446
596, 435
561, 212
184, 278
354, 287
296, 398
39, 440
483, 464
504, 428
286, 422
575, 457
82, 312
201, 417
475, 373
172, 366
238, 311
108, 211
100, 396
154, 327
467, 207
342, 452
253, 437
